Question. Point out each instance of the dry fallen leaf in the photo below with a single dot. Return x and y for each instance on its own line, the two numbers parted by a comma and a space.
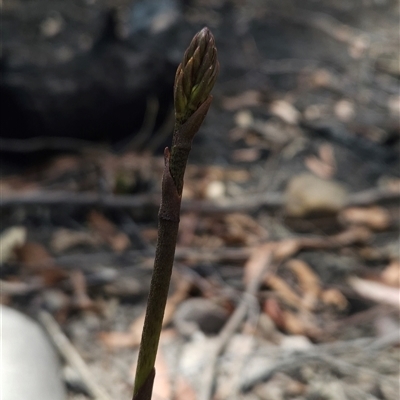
65, 239
301, 323
36, 260
187, 229
149, 234
183, 390
256, 263
286, 111
232, 229
108, 232
274, 311
181, 293
284, 291
242, 228
373, 217
11, 185
246, 155
162, 389
5, 299
376, 291
246, 99
116, 340
285, 249
34, 254
322, 78
324, 165
293, 324
309, 282
319, 168
391, 274
62, 165
10, 239
390, 184
334, 298
81, 299
353, 235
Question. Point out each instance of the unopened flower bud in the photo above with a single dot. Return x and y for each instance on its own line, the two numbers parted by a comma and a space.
196, 75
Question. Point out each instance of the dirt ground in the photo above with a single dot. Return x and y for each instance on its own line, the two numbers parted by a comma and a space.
288, 257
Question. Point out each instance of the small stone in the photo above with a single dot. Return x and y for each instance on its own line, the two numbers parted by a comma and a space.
244, 119
307, 194
394, 105
52, 25
322, 78
391, 274
29, 367
345, 110
295, 342
10, 239
215, 190
285, 111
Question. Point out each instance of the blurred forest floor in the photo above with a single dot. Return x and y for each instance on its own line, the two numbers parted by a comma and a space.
287, 276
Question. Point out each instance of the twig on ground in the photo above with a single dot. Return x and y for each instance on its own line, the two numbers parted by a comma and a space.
347, 346
226, 205
391, 338
71, 355
19, 288
45, 143
372, 196
60, 198
261, 259
326, 353
376, 291
284, 249
223, 254
362, 317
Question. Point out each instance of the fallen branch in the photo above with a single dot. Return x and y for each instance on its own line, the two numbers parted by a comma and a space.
87, 260
260, 261
151, 200
328, 354
71, 355
376, 291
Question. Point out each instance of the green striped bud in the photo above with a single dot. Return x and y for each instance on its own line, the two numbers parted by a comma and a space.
196, 75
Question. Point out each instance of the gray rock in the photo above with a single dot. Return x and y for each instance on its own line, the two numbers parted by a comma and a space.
307, 194
29, 366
